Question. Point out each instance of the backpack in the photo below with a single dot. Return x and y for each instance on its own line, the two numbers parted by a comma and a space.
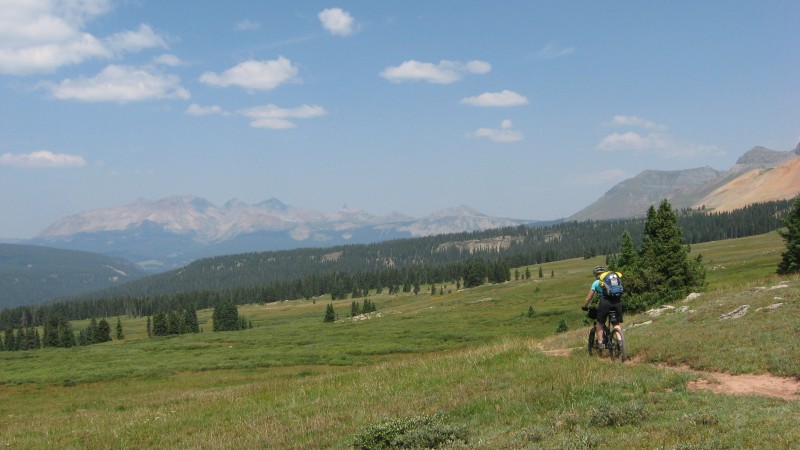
612, 286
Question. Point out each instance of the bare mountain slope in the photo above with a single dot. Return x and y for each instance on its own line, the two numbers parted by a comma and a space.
758, 185
750, 180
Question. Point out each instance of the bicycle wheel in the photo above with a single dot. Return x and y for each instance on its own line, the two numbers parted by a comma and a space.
592, 350
618, 346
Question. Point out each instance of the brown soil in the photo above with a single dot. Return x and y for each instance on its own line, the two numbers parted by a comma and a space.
722, 383
746, 384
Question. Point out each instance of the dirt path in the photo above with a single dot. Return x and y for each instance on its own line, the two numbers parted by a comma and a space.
722, 383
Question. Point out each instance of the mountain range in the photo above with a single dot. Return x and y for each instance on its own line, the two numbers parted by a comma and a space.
760, 175
171, 232
102, 248
163, 234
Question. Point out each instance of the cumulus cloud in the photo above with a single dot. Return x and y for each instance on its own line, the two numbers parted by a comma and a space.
42, 36
197, 110
633, 121
168, 60
504, 134
498, 99
120, 84
134, 41
255, 75
42, 158
652, 137
277, 118
445, 72
337, 21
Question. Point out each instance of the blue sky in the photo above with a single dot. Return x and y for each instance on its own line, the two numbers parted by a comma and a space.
521, 109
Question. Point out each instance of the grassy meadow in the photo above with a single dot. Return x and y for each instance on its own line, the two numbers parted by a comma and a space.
473, 360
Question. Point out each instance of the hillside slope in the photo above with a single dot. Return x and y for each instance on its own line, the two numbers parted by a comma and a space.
765, 184
31, 274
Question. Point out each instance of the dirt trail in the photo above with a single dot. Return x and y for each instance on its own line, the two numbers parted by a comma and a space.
722, 383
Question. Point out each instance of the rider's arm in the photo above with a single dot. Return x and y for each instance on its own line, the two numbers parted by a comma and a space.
588, 299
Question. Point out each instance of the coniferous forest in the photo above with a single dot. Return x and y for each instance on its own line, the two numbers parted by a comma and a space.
449, 261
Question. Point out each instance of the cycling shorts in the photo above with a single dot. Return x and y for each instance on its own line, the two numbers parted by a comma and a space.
605, 306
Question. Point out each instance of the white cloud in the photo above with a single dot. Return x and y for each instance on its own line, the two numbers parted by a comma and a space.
445, 72
504, 134
134, 41
628, 141
42, 36
196, 110
654, 139
246, 25
255, 75
504, 98
168, 60
633, 121
276, 118
551, 50
42, 158
120, 84
337, 21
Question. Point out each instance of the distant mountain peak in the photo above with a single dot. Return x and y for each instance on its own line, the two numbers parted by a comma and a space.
275, 204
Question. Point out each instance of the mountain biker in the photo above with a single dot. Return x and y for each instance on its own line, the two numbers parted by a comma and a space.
604, 306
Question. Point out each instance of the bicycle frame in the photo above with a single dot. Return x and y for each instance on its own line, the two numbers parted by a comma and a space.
613, 340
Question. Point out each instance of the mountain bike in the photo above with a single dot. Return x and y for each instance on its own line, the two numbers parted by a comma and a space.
613, 342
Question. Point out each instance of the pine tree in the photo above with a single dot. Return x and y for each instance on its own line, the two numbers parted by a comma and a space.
10, 343
562, 326
527, 273
330, 314
103, 331
541, 274
89, 335
531, 312
160, 324
790, 259
354, 309
226, 316
119, 334
662, 271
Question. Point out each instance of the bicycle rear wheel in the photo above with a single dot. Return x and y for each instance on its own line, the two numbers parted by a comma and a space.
618, 346
590, 345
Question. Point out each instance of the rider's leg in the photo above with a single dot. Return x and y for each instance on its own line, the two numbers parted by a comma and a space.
599, 333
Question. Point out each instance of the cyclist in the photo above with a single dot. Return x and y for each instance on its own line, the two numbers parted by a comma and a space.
605, 305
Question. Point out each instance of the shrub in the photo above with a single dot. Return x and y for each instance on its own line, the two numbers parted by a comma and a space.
426, 431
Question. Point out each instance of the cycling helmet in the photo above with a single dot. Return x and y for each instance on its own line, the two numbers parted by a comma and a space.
598, 270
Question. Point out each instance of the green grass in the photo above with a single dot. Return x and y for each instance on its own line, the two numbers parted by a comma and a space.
470, 358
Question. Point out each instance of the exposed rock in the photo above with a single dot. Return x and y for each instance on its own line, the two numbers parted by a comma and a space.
771, 307
736, 313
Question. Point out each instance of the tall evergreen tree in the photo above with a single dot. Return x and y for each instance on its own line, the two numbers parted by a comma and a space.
225, 316
103, 331
119, 335
330, 314
663, 271
10, 342
160, 324
790, 259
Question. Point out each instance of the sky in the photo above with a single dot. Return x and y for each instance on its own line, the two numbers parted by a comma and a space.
519, 109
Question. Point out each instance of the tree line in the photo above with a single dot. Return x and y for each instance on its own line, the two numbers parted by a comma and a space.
395, 266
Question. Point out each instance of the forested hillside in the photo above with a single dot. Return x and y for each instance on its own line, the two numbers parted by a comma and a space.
30, 273
395, 265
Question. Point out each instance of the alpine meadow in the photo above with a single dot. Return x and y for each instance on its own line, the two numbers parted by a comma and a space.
453, 368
